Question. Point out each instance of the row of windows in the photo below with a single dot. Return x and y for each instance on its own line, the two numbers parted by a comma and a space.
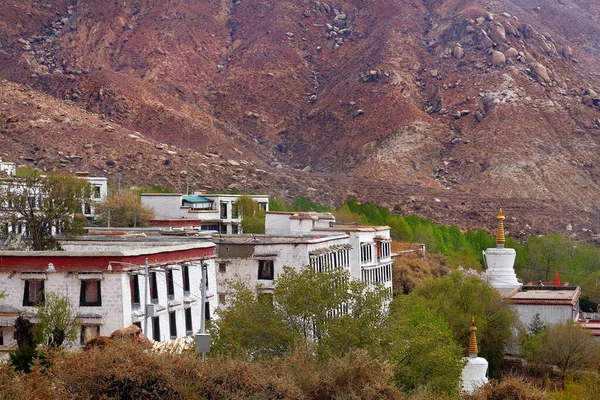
380, 274
383, 252
153, 284
331, 260
173, 323
89, 296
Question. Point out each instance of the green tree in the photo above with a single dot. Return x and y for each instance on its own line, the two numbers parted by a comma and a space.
253, 216
250, 328
44, 203
422, 348
337, 313
549, 253
467, 258
458, 298
400, 230
56, 321
124, 209
568, 346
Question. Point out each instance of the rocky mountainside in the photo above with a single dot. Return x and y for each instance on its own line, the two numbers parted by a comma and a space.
447, 108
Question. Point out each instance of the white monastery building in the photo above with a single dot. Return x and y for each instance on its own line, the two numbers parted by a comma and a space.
106, 283
298, 239
202, 211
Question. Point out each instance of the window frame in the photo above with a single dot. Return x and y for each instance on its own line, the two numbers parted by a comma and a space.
27, 293
82, 293
134, 285
173, 324
189, 326
269, 276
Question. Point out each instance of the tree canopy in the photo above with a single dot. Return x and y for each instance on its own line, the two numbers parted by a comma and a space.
44, 204
253, 217
124, 209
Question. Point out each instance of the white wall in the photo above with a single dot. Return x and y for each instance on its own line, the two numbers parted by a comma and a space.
549, 314
164, 206
295, 255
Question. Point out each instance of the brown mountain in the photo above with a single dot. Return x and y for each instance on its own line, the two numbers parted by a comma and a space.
448, 108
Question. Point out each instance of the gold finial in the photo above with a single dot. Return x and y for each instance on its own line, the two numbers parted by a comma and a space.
500, 232
473, 339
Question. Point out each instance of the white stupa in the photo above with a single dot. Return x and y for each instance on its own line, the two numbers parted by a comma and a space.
474, 374
500, 263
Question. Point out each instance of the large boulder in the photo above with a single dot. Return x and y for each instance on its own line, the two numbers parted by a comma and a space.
458, 51
511, 52
498, 59
541, 73
498, 33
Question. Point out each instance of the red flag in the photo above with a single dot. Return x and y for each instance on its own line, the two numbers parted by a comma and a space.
557, 279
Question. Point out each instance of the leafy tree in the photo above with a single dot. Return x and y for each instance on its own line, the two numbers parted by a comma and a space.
124, 209
251, 329
458, 298
23, 357
549, 253
400, 230
467, 258
568, 346
328, 307
253, 217
57, 323
345, 216
277, 204
422, 347
44, 203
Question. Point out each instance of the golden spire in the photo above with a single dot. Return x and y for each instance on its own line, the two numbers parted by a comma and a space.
500, 231
473, 339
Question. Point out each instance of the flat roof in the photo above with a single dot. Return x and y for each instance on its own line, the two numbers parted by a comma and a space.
352, 228
276, 239
557, 296
95, 256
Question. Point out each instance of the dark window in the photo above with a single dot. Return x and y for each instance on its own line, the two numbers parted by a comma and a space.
185, 273
172, 325
153, 288
265, 269
156, 329
207, 311
235, 229
88, 332
1, 337
96, 192
138, 324
223, 229
223, 210
170, 285
34, 293
188, 321
263, 206
90, 293
135, 289
87, 208
222, 267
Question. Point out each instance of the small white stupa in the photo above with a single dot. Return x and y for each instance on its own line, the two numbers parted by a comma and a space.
474, 374
500, 262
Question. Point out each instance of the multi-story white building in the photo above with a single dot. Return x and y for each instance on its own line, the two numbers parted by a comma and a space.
8, 168
209, 211
257, 260
298, 239
106, 284
98, 192
370, 256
